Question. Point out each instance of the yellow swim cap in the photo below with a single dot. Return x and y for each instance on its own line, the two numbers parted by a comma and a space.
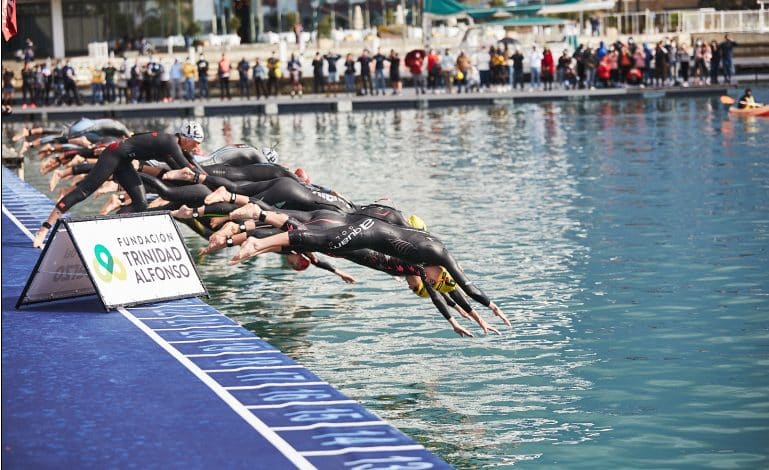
460, 75
421, 290
445, 282
416, 222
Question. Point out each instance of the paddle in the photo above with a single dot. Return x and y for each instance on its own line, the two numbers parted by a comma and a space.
727, 100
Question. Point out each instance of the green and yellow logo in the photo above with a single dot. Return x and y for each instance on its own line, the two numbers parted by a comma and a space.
106, 266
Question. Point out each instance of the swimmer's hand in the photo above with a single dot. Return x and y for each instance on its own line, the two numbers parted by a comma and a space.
476, 317
498, 312
345, 277
458, 329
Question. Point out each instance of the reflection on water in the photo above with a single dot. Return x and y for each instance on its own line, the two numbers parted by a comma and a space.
627, 241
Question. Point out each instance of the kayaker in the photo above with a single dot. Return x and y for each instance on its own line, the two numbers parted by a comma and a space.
747, 100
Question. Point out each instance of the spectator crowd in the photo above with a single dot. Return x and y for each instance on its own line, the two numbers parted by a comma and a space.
496, 68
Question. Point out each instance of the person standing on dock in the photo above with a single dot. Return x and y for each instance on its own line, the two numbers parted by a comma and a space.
517, 60
379, 76
260, 77
415, 67
294, 67
317, 74
395, 72
349, 75
727, 54
273, 75
365, 73
223, 75
8, 87
333, 75
202, 77
188, 72
243, 69
715, 62
70, 87
535, 68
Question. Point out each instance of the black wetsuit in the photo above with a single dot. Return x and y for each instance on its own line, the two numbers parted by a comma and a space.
411, 245
249, 172
370, 258
116, 161
284, 193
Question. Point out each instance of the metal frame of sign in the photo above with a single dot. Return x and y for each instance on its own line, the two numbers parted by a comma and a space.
65, 223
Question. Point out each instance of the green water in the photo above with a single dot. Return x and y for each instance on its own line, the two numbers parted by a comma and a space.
628, 241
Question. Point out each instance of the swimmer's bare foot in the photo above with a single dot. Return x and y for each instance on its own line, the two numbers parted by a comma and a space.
248, 249
183, 212
55, 178
184, 174
249, 211
76, 160
229, 229
217, 221
157, 202
49, 165
24, 132
220, 195
107, 187
113, 203
215, 242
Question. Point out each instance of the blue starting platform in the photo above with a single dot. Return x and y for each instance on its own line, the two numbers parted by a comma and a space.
169, 385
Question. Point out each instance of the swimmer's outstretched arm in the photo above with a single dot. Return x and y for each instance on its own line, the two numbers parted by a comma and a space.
440, 304
329, 267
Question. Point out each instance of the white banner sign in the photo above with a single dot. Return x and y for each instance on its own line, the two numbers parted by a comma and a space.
129, 260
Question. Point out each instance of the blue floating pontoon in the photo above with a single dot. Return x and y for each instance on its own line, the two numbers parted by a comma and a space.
168, 385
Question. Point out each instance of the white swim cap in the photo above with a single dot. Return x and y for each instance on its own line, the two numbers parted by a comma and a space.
270, 154
191, 130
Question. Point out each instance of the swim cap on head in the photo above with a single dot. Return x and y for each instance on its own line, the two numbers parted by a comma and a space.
270, 154
421, 290
445, 283
191, 130
301, 264
417, 222
302, 175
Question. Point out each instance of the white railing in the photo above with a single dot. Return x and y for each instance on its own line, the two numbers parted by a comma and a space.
699, 21
725, 21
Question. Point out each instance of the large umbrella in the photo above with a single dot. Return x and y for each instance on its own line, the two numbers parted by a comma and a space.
413, 55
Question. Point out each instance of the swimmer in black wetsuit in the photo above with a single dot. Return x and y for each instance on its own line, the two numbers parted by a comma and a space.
360, 231
429, 281
117, 160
